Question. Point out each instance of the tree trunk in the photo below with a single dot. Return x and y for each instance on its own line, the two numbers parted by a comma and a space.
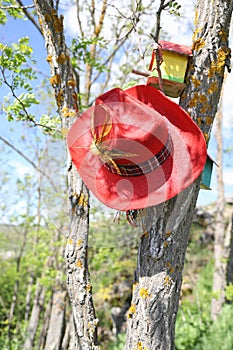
16, 285
162, 248
68, 334
78, 279
152, 315
28, 297
220, 264
57, 321
45, 325
229, 244
35, 317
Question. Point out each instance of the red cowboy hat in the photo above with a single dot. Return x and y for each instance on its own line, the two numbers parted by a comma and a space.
136, 148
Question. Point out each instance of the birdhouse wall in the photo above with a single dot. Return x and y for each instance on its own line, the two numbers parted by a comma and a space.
173, 66
206, 174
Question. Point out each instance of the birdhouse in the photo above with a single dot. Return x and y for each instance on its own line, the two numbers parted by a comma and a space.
173, 68
207, 173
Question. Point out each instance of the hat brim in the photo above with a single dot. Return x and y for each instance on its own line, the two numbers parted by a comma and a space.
179, 171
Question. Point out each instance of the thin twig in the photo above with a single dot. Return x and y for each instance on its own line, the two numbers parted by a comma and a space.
2, 7
79, 19
28, 160
163, 6
29, 16
135, 19
29, 118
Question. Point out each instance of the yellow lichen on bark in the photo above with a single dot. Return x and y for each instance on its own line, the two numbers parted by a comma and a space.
83, 200
206, 136
66, 112
223, 54
47, 17
223, 35
140, 346
167, 281
199, 121
79, 243
89, 288
168, 264
203, 109
194, 100
62, 58
196, 82
168, 233
212, 88
209, 120
79, 263
60, 98
55, 79
71, 83
70, 241
49, 58
198, 44
172, 270
132, 310
196, 17
218, 65
143, 292
58, 23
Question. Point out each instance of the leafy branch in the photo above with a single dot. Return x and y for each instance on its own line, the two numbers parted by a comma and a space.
19, 107
14, 64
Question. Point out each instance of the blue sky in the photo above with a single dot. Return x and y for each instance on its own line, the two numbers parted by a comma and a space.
13, 30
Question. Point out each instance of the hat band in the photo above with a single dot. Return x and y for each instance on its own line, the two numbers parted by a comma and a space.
144, 167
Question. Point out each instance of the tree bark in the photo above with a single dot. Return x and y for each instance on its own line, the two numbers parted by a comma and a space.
28, 297
45, 327
229, 244
220, 264
78, 279
152, 315
162, 248
57, 321
35, 316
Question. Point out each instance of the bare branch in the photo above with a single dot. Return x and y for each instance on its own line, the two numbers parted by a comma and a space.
28, 15
28, 160
2, 7
92, 11
79, 19
162, 7
101, 19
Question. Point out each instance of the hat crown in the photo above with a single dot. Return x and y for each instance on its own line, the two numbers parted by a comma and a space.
166, 149
135, 130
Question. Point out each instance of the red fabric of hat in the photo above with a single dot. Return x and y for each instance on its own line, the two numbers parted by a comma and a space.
136, 148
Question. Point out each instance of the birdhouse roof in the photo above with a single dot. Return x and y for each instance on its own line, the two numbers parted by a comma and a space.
177, 48
212, 160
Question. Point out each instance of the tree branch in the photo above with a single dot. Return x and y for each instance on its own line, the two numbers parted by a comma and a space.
162, 7
28, 15
78, 278
29, 161
29, 118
